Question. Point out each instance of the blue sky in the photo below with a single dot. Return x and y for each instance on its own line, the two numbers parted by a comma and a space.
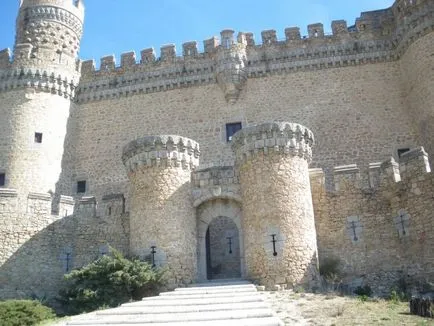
117, 26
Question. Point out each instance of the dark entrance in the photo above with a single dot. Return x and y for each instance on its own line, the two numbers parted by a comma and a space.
222, 249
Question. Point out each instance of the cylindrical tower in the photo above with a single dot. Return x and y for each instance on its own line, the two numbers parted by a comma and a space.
161, 209
36, 93
278, 221
50, 32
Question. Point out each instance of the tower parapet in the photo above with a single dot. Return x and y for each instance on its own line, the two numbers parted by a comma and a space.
278, 219
51, 32
290, 139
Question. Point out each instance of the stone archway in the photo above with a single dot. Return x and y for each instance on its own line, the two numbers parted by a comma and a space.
222, 217
223, 249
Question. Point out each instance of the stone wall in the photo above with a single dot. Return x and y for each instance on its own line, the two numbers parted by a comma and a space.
380, 227
361, 119
37, 248
417, 65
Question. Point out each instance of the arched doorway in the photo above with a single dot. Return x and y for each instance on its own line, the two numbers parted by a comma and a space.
223, 249
220, 240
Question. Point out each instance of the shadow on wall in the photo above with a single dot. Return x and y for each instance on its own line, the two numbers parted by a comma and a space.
36, 268
381, 233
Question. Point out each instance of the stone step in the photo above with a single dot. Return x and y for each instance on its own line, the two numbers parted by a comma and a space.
176, 296
162, 309
218, 288
173, 317
201, 300
221, 282
268, 321
210, 290
216, 304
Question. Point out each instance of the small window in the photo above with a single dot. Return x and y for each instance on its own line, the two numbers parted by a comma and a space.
231, 129
81, 187
2, 179
402, 151
38, 137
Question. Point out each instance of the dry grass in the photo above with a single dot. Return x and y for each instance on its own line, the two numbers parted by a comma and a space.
316, 309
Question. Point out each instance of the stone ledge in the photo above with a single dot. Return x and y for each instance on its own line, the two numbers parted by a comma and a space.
39, 196
6, 192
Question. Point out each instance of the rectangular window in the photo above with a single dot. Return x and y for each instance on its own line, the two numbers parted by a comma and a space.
231, 129
2, 179
402, 151
81, 187
38, 137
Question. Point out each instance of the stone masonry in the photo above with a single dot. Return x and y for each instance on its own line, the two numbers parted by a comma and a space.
162, 214
87, 159
273, 162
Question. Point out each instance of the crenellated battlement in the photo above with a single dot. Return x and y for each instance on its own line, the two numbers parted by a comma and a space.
292, 38
39, 205
275, 137
376, 36
383, 176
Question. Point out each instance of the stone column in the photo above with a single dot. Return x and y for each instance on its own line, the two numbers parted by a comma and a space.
161, 209
272, 160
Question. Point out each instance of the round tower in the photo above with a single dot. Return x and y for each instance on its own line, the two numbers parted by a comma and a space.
278, 221
162, 216
36, 93
48, 33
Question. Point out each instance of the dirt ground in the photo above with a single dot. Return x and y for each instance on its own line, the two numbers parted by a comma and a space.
332, 310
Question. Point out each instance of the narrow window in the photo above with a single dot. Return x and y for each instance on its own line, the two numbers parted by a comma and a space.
81, 187
402, 151
38, 137
2, 179
231, 129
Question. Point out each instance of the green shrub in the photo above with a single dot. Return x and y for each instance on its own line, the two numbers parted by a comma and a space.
362, 298
329, 268
23, 313
363, 291
108, 282
397, 296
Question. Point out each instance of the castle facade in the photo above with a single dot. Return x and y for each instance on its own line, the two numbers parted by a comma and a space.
257, 161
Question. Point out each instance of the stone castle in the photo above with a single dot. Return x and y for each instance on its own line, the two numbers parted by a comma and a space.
206, 163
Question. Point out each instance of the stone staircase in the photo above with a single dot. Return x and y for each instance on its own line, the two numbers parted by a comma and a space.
223, 303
